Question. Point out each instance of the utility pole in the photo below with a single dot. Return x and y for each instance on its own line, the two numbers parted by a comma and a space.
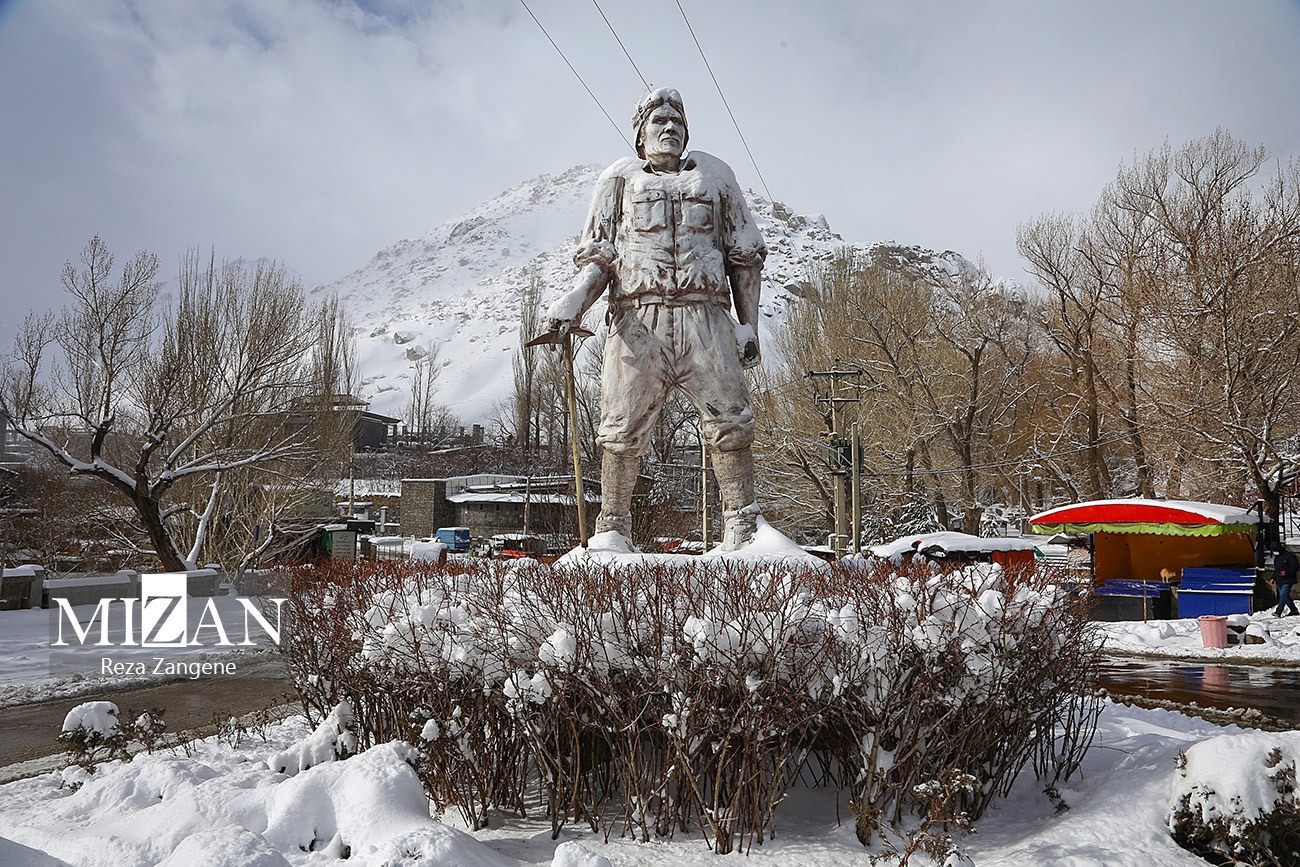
528, 500
704, 493
833, 389
856, 452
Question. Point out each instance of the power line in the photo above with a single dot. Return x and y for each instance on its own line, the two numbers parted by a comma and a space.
621, 45
618, 128
734, 123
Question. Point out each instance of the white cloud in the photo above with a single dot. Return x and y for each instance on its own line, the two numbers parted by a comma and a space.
319, 132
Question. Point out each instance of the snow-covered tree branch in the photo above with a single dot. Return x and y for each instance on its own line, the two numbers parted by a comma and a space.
182, 404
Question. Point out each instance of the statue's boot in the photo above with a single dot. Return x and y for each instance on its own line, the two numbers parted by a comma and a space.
734, 471
618, 475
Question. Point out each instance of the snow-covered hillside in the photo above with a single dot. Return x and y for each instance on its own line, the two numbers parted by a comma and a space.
457, 289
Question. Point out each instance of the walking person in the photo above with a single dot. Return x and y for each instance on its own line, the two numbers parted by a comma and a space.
1285, 567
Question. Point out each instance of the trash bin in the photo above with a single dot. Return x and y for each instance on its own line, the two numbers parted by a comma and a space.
1214, 630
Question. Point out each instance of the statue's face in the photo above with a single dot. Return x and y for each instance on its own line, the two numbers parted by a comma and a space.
664, 133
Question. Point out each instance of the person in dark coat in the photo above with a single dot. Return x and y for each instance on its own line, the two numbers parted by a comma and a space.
1285, 567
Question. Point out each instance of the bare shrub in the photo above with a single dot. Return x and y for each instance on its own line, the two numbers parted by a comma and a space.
1226, 822
88, 745
657, 700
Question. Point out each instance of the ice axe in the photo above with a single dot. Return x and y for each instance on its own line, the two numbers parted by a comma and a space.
563, 337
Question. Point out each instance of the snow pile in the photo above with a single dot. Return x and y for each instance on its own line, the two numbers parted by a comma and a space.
333, 739
224, 847
769, 546
1235, 796
433, 551
217, 806
572, 854
92, 717
211, 809
1270, 639
348, 808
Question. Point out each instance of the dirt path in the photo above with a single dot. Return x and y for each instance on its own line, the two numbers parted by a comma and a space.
31, 731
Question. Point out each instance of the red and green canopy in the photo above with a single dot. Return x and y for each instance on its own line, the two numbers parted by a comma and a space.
1156, 517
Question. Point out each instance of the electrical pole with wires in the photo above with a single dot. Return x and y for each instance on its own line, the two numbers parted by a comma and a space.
833, 389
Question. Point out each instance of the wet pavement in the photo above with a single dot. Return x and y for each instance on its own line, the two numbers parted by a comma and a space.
1274, 692
31, 731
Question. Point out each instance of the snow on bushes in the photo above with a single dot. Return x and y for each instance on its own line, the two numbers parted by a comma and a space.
93, 734
1234, 799
654, 700
92, 717
331, 740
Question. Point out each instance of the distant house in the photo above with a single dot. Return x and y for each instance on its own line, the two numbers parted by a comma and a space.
14, 449
492, 504
371, 431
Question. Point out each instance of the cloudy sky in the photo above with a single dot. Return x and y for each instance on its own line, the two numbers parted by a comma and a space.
317, 132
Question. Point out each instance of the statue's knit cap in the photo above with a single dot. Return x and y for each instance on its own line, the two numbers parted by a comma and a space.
651, 101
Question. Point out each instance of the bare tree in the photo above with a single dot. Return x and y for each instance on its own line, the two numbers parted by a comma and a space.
1073, 321
171, 404
944, 354
424, 415
1172, 318
1226, 253
525, 365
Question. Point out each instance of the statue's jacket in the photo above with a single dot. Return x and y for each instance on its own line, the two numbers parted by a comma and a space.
670, 238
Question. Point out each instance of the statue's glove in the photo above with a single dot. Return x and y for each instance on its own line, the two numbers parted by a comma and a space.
560, 326
747, 346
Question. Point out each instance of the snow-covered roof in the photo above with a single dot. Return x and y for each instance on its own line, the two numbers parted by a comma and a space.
951, 542
1111, 515
367, 488
517, 497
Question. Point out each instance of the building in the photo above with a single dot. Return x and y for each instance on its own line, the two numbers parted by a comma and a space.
490, 504
372, 431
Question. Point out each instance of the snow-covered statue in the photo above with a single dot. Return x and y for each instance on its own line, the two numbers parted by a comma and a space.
670, 236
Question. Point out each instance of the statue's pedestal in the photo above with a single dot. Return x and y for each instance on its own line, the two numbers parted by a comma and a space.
770, 546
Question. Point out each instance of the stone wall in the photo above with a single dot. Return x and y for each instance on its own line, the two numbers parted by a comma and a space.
425, 507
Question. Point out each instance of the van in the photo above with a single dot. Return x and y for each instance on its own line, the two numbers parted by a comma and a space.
455, 538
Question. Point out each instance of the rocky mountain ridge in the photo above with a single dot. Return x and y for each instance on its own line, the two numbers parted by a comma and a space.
455, 292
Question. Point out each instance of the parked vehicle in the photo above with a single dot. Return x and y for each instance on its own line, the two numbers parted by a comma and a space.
455, 538
512, 546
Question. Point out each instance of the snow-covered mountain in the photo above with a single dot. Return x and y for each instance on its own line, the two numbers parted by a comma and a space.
457, 289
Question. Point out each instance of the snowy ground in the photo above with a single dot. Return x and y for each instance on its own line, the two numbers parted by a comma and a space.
224, 807
218, 806
1181, 639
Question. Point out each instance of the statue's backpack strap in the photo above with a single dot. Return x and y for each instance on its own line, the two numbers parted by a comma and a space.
620, 183
721, 215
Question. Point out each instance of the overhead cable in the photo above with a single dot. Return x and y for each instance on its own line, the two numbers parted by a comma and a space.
621, 45
618, 128
700, 48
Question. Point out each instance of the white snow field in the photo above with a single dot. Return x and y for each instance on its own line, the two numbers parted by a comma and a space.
277, 798
217, 806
